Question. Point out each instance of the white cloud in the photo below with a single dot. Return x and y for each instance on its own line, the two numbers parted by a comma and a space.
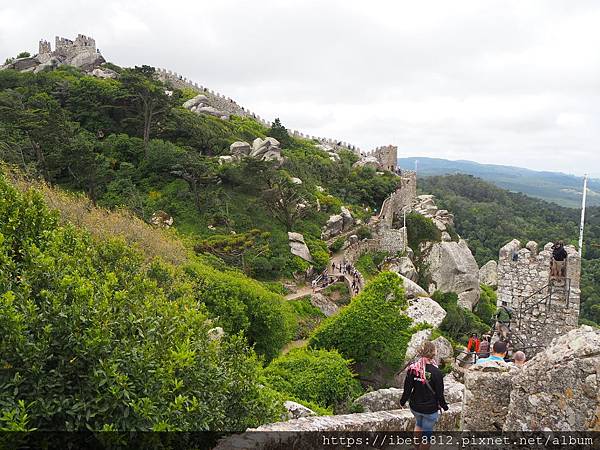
498, 81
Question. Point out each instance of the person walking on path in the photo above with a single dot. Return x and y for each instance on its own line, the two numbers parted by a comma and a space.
424, 391
499, 351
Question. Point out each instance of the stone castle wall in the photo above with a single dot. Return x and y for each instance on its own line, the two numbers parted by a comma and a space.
284, 434
523, 279
403, 197
228, 105
387, 157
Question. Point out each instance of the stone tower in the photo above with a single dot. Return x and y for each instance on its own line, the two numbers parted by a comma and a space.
44, 47
543, 309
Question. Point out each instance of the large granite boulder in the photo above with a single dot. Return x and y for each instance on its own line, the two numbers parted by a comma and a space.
412, 289
198, 100
415, 343
333, 227
298, 247
425, 310
453, 389
404, 266
559, 389
325, 305
105, 73
444, 352
240, 148
453, 269
487, 396
380, 400
347, 219
488, 274
86, 59
368, 161
296, 410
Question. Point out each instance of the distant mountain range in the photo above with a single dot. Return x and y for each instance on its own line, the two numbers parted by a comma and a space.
556, 187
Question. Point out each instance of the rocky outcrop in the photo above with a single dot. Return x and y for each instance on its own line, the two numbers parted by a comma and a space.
453, 269
298, 247
488, 274
411, 289
453, 389
297, 411
425, 310
216, 333
325, 305
368, 161
415, 343
559, 389
347, 219
240, 149
333, 227
405, 267
200, 105
380, 400
444, 352
161, 219
102, 72
487, 396
425, 205
337, 224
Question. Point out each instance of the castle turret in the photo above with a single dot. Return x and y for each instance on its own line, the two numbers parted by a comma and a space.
543, 308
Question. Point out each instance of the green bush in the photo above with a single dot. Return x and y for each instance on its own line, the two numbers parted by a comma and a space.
320, 253
371, 330
486, 308
318, 376
459, 322
91, 338
363, 232
420, 229
337, 245
307, 316
368, 263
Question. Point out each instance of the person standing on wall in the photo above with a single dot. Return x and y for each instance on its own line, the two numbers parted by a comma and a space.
559, 261
424, 391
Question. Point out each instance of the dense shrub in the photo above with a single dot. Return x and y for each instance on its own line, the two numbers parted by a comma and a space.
371, 330
307, 316
364, 232
92, 338
318, 376
459, 322
420, 229
337, 245
486, 307
368, 263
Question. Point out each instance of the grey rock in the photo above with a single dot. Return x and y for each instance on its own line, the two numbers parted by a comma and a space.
558, 388
333, 227
296, 410
216, 333
380, 400
240, 148
412, 289
453, 269
488, 274
325, 305
195, 101
347, 219
453, 390
425, 310
298, 247
104, 73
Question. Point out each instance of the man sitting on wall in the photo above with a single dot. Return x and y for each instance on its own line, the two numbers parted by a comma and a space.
559, 260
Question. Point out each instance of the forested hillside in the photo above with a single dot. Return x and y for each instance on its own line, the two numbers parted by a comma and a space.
489, 217
127, 142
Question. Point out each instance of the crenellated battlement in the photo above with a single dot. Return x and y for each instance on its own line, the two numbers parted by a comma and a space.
228, 105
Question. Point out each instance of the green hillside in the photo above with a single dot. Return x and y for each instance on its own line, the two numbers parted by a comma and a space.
556, 187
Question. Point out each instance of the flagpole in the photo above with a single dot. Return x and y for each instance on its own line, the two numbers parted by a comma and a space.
585, 178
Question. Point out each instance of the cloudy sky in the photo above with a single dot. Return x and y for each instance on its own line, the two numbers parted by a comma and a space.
503, 82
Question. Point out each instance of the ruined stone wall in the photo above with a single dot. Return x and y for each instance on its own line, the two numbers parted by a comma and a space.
403, 197
487, 396
523, 278
282, 434
228, 105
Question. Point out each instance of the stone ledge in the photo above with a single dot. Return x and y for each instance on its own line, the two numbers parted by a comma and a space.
275, 435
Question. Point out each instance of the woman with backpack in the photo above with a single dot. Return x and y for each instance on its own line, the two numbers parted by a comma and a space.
424, 391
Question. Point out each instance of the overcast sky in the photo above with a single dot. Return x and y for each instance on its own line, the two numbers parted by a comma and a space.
503, 82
